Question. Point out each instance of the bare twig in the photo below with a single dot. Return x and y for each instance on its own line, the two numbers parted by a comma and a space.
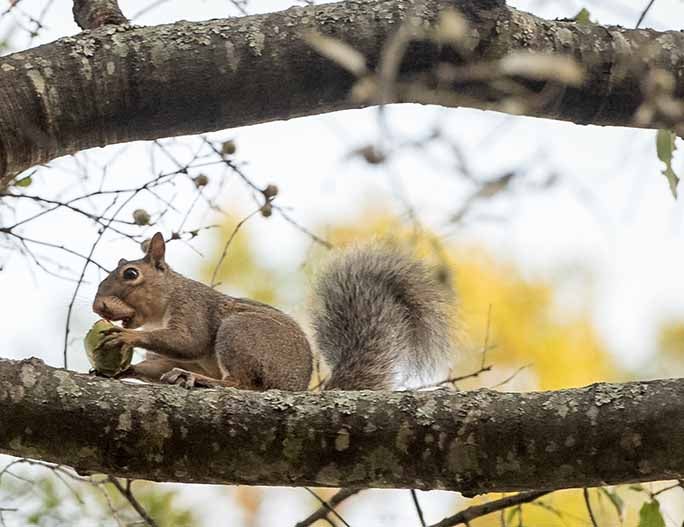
587, 502
644, 13
476, 511
258, 193
484, 367
419, 510
23, 238
227, 245
327, 506
512, 376
128, 494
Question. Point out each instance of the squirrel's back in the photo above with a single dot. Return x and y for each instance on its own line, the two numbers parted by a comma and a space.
381, 318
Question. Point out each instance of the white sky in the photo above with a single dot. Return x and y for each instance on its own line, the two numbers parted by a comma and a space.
612, 213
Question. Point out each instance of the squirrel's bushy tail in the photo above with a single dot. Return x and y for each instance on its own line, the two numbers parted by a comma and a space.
380, 318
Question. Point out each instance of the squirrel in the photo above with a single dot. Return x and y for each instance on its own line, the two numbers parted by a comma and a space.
380, 317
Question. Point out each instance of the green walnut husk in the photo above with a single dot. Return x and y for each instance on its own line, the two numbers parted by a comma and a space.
107, 363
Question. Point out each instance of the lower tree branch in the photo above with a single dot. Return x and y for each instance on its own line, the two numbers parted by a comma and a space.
473, 442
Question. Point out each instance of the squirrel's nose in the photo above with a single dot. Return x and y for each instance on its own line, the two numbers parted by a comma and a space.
100, 307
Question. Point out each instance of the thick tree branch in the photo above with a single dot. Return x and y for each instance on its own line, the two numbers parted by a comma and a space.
473, 442
121, 83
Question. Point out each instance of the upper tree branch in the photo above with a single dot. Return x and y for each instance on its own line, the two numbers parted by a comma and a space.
474, 442
117, 84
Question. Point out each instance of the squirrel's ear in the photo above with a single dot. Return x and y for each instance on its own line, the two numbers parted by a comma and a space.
156, 250
121, 262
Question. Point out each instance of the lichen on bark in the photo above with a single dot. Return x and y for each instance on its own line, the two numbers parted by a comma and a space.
473, 442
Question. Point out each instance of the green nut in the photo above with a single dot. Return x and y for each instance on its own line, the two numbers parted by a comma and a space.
110, 362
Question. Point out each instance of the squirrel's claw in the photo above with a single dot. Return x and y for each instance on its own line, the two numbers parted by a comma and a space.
111, 341
115, 338
179, 377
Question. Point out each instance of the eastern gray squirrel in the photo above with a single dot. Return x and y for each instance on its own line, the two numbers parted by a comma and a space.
378, 314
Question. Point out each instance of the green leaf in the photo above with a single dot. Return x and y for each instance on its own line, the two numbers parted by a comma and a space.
583, 16
24, 182
649, 515
614, 499
665, 147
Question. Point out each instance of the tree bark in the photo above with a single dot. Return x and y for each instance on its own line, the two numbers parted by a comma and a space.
473, 442
122, 83
91, 14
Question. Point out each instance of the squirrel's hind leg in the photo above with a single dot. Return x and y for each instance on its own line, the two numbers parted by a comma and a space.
188, 379
263, 350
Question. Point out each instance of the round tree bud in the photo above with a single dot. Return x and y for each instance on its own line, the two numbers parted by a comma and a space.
228, 148
266, 210
141, 217
271, 191
201, 181
372, 155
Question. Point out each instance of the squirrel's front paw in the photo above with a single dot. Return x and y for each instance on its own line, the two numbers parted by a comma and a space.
116, 337
179, 377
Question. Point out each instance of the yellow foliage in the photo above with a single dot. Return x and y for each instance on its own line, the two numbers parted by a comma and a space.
566, 508
671, 339
240, 273
524, 328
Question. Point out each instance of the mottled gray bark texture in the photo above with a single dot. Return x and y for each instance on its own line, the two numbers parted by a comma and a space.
121, 83
473, 442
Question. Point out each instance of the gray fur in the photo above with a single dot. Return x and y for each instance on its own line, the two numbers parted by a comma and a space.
379, 317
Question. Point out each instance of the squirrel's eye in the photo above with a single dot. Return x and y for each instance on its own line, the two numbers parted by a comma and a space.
130, 274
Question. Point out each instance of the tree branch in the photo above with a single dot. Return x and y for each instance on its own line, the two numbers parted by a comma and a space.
91, 14
473, 442
121, 83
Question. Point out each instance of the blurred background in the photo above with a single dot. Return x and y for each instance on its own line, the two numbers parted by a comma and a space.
563, 242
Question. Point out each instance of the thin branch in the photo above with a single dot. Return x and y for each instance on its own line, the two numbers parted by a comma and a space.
511, 376
419, 510
21, 238
327, 506
302, 229
476, 511
126, 493
587, 502
227, 245
147, 8
644, 13
323, 511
